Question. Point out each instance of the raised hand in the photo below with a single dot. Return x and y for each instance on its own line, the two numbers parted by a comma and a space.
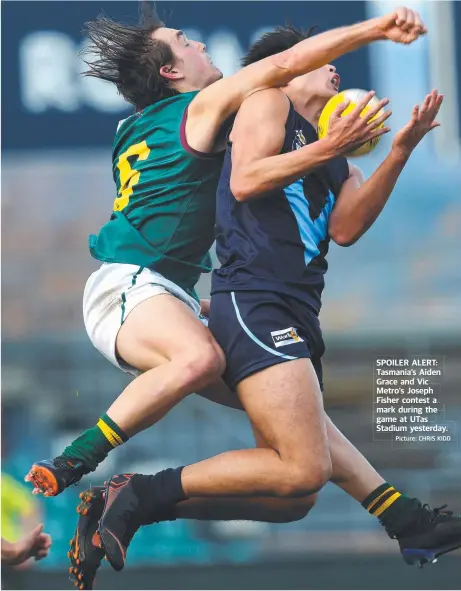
401, 26
422, 121
350, 131
35, 544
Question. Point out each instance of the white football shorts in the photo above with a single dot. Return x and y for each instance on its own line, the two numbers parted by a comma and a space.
112, 292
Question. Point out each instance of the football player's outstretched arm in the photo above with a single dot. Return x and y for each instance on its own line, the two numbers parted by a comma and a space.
215, 104
360, 202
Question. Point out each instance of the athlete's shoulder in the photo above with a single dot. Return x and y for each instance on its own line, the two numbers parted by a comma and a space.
168, 105
162, 117
178, 101
272, 99
268, 107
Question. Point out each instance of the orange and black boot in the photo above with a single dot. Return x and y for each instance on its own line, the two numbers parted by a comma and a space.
121, 518
134, 500
86, 552
51, 477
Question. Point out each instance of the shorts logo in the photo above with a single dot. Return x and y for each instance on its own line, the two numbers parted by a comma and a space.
287, 336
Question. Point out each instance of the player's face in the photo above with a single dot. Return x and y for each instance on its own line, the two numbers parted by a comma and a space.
193, 64
321, 83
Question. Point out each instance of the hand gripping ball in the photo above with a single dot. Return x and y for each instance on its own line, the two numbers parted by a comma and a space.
355, 96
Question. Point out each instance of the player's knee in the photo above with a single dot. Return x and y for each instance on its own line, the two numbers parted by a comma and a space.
203, 365
306, 481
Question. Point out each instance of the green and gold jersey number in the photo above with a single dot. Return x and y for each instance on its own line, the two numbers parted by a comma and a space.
129, 177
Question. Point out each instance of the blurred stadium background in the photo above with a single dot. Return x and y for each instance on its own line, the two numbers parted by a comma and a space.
397, 291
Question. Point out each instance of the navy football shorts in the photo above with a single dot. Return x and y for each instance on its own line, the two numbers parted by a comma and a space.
258, 329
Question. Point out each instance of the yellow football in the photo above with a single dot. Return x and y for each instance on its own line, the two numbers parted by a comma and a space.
354, 95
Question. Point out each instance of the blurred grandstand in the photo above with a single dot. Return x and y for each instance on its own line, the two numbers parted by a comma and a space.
398, 291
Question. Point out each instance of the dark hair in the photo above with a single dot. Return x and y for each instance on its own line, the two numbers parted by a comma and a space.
281, 39
128, 56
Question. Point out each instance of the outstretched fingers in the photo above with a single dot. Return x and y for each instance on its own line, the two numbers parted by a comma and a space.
377, 133
379, 120
435, 111
376, 109
423, 109
362, 104
429, 108
337, 113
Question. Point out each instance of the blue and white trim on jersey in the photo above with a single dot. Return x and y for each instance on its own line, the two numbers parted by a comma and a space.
311, 232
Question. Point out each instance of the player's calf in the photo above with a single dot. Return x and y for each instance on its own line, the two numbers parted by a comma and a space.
290, 511
266, 509
154, 393
192, 371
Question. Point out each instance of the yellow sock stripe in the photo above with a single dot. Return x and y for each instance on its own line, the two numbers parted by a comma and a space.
109, 434
387, 504
371, 505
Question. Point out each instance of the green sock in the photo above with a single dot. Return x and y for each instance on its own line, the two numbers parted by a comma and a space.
394, 509
93, 446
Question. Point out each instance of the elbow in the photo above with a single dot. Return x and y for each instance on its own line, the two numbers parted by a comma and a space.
240, 189
345, 241
343, 238
342, 230
285, 65
295, 62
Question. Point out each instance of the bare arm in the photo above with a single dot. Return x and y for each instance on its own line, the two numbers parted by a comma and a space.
8, 552
257, 139
215, 104
358, 204
259, 133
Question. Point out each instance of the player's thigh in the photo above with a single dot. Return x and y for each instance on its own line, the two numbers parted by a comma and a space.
284, 404
162, 328
268, 364
138, 320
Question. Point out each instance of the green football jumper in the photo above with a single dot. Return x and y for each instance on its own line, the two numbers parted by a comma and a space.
164, 213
